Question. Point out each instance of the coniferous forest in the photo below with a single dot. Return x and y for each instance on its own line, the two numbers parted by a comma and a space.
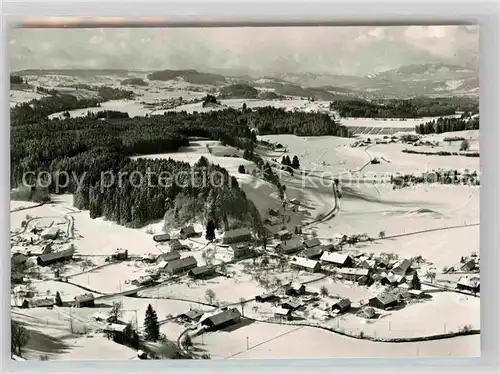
84, 148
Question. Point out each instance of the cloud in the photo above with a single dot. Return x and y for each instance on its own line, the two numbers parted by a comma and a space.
344, 50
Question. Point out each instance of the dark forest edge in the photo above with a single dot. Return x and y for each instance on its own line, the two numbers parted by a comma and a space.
409, 108
104, 142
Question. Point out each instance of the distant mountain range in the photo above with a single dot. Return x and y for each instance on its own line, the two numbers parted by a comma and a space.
405, 81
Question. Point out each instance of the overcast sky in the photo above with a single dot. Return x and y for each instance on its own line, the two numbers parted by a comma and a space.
334, 50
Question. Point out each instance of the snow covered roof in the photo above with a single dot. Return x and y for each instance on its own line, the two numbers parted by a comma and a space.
353, 271
281, 311
336, 258
304, 263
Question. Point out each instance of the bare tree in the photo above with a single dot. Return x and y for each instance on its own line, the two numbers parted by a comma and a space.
242, 304
210, 296
381, 234
116, 311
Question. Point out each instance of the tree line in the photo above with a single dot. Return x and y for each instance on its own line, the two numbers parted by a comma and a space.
448, 125
39, 109
404, 108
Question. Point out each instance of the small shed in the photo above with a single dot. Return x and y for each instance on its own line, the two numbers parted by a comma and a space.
383, 302
149, 258
283, 235
85, 301
222, 319
310, 243
236, 236
294, 201
341, 306
282, 313
167, 257
337, 259
202, 272
191, 315
187, 232
161, 238
43, 303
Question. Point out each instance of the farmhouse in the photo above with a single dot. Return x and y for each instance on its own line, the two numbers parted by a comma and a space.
85, 301
149, 258
51, 258
391, 279
101, 316
236, 236
417, 294
468, 266
167, 257
117, 331
310, 243
267, 297
274, 212
313, 253
202, 272
283, 235
290, 246
368, 313
51, 234
187, 232
292, 305
191, 316
402, 267
281, 313
242, 251
161, 238
469, 283
182, 265
337, 259
120, 254
341, 306
43, 303
175, 245
222, 319
143, 280
305, 264
367, 264
272, 221
383, 302
352, 273
295, 289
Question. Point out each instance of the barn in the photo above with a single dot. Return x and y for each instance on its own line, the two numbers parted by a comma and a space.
337, 259
236, 236
383, 302
222, 319
187, 232
341, 306
182, 265
305, 264
85, 301
52, 258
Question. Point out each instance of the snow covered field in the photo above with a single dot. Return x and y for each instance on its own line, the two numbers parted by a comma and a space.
388, 122
284, 341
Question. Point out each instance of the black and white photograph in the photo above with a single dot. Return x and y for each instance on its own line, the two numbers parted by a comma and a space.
244, 192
